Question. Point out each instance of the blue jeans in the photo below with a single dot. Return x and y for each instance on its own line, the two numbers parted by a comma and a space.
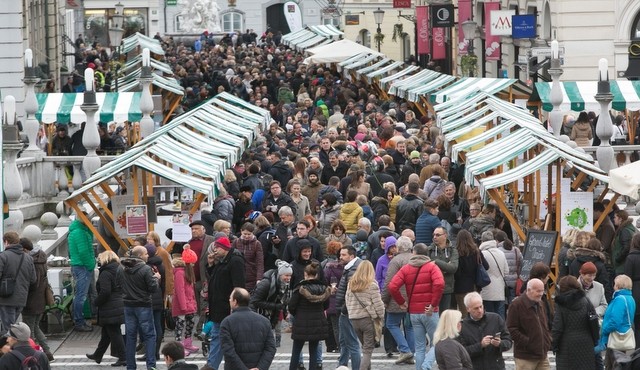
82, 277
495, 307
349, 343
140, 319
406, 340
423, 325
215, 353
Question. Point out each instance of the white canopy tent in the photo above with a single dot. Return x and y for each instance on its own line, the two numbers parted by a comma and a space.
625, 180
336, 52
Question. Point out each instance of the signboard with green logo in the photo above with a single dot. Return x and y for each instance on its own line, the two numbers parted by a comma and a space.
172, 2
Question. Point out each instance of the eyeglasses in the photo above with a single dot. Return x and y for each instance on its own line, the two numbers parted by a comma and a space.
434, 234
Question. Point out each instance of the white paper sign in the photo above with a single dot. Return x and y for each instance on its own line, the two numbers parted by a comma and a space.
577, 211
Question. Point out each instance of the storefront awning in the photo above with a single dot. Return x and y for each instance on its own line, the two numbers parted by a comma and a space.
579, 96
65, 108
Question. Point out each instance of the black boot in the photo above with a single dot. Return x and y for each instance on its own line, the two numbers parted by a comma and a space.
94, 357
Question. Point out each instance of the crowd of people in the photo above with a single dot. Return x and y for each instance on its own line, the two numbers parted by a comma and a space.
345, 223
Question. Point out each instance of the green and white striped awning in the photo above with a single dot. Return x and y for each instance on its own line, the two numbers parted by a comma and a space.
579, 96
65, 108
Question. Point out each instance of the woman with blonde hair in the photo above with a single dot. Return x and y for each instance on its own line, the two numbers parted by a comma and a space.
450, 354
303, 207
365, 306
231, 183
110, 306
393, 202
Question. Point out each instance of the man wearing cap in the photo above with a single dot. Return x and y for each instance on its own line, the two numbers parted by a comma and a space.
139, 284
18, 338
225, 267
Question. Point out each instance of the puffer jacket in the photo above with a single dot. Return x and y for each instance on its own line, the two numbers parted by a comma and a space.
184, 297
427, 289
270, 297
616, 317
36, 298
581, 133
408, 211
109, 300
425, 225
80, 241
139, 283
571, 333
25, 278
223, 208
308, 301
498, 270
332, 269
434, 187
447, 260
253, 260
395, 265
326, 218
364, 304
350, 214
514, 261
342, 285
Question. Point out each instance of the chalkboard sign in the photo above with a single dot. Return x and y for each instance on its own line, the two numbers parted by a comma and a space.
538, 247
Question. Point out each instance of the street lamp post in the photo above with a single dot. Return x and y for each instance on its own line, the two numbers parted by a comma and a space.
378, 16
469, 28
116, 31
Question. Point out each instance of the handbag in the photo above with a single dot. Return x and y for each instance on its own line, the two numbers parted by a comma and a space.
8, 283
594, 321
377, 321
48, 296
622, 341
169, 321
506, 287
482, 276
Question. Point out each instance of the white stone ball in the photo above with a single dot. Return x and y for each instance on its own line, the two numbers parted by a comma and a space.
572, 144
564, 138
62, 209
49, 219
33, 233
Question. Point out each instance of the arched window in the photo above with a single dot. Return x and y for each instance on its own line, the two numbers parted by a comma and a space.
635, 30
364, 38
232, 21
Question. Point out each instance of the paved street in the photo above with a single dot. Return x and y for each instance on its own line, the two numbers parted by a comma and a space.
70, 354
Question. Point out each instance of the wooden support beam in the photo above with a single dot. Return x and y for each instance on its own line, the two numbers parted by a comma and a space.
107, 190
73, 204
493, 193
579, 179
604, 193
136, 188
593, 185
605, 214
175, 104
106, 209
105, 222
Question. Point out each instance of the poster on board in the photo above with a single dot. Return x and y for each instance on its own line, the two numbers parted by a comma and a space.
137, 220
119, 205
577, 211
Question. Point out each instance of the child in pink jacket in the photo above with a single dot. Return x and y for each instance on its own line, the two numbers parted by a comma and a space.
184, 298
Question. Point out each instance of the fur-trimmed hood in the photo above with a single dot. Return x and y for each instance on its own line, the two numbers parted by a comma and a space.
585, 252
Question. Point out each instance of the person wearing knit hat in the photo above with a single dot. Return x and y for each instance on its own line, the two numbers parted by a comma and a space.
415, 154
588, 268
151, 250
595, 290
18, 337
220, 243
284, 268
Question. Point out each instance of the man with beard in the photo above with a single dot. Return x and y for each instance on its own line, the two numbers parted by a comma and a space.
312, 190
243, 207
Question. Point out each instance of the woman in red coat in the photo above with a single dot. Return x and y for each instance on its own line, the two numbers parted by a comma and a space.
184, 298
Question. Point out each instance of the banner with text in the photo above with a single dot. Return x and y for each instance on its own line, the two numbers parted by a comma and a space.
501, 22
439, 46
492, 42
422, 22
464, 14
402, 3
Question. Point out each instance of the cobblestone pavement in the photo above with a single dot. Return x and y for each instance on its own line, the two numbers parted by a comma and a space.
70, 348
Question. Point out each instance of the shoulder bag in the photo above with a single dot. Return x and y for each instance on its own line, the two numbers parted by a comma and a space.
623, 341
594, 321
8, 283
506, 287
482, 276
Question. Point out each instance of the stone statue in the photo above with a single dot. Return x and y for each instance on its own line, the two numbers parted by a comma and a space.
200, 15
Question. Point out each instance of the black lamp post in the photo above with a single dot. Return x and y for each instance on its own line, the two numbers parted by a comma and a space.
378, 16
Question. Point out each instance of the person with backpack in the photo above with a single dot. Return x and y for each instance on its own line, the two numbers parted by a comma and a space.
22, 355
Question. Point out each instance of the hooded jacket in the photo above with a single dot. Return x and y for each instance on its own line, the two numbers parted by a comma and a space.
25, 278
270, 297
350, 214
422, 290
139, 283
36, 298
382, 265
571, 334
326, 218
622, 244
447, 260
253, 260
281, 172
156, 264
184, 298
109, 300
308, 302
498, 270
80, 241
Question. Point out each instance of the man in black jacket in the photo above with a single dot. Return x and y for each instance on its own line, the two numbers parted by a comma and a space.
226, 272
349, 345
484, 335
245, 336
21, 350
140, 282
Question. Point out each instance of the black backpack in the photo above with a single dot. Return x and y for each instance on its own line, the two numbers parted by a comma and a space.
30, 362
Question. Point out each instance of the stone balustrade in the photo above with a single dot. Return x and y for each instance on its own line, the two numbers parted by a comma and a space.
622, 153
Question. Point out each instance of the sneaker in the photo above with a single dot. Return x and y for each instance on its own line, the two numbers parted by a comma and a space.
83, 328
404, 357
